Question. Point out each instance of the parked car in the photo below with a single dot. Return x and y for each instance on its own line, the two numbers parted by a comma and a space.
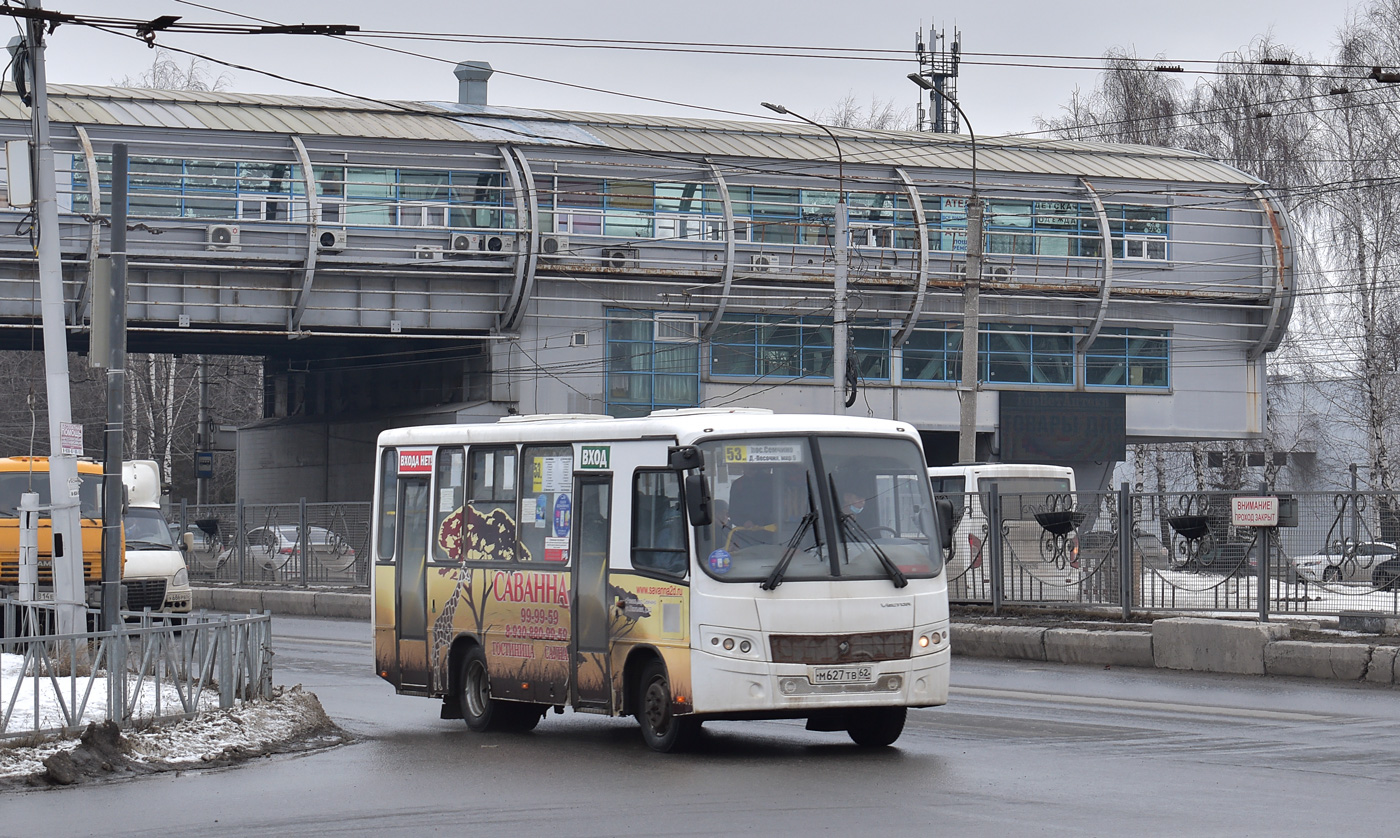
1348, 563
276, 548
1386, 574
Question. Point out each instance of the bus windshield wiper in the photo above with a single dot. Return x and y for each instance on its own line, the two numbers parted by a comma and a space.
775, 578
848, 524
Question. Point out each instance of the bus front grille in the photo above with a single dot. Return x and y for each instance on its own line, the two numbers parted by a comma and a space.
841, 648
145, 593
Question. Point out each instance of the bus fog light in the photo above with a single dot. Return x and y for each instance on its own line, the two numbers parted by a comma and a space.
728, 644
936, 637
745, 647
892, 682
788, 686
924, 641
714, 641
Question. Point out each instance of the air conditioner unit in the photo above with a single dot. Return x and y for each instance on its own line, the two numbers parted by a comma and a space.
554, 246
464, 243
331, 241
427, 253
498, 244
620, 258
1002, 272
762, 262
221, 237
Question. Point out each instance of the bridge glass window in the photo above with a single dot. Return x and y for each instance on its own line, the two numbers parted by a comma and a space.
578, 206
652, 363
1025, 354
658, 523
772, 345
1128, 358
628, 208
871, 349
933, 354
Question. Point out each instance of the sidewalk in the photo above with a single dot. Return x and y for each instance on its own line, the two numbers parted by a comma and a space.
1240, 646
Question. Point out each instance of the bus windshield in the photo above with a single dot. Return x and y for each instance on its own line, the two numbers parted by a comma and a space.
781, 503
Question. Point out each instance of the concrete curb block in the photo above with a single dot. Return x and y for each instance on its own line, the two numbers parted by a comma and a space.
290, 603
1203, 645
1343, 661
1105, 648
1382, 668
1019, 642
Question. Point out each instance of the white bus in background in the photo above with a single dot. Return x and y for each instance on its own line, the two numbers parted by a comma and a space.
685, 566
1035, 564
154, 575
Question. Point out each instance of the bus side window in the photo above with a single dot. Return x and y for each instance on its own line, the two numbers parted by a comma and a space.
658, 524
448, 504
490, 505
388, 501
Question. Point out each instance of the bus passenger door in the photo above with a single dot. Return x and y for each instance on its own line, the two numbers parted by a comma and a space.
591, 605
412, 553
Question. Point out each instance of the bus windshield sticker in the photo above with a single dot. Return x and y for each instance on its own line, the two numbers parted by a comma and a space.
415, 461
552, 474
784, 452
488, 470
527, 509
561, 516
541, 510
595, 457
446, 499
719, 561
507, 473
556, 549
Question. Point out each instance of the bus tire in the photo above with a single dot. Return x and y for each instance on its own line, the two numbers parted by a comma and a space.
663, 731
480, 711
877, 727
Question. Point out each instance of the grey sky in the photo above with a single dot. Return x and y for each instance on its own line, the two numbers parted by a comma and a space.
998, 99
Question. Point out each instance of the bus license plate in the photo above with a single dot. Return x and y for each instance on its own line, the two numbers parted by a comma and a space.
842, 674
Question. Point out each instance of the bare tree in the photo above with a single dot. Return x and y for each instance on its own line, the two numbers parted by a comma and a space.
879, 115
166, 73
1132, 103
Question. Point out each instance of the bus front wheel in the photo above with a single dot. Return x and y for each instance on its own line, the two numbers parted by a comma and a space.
878, 726
484, 713
663, 730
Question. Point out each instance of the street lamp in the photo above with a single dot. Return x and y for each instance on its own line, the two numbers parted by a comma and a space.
972, 288
838, 306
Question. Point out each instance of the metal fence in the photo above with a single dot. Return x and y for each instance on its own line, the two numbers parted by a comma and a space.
153, 668
1177, 552
265, 544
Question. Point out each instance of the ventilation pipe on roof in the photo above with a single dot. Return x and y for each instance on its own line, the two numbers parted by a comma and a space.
471, 82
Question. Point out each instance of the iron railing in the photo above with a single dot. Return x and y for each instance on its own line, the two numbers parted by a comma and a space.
1177, 552
263, 544
152, 668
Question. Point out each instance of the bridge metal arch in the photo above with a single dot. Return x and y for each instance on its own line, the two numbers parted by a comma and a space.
1106, 288
313, 237
1282, 294
727, 280
84, 302
916, 308
526, 200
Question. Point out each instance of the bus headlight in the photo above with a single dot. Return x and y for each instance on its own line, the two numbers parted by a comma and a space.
930, 640
181, 579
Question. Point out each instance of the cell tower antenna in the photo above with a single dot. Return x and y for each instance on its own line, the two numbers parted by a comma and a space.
938, 63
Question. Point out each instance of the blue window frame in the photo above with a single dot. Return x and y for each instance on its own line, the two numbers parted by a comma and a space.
1129, 358
652, 363
772, 346
1050, 228
1007, 354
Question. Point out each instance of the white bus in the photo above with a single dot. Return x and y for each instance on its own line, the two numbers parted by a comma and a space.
689, 565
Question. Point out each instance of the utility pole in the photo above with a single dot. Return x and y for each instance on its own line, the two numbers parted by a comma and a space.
112, 495
972, 295
63, 466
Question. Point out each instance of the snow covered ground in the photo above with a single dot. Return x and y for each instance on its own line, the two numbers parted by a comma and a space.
292, 719
47, 698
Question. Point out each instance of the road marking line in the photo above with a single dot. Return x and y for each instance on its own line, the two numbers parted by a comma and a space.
1139, 704
364, 644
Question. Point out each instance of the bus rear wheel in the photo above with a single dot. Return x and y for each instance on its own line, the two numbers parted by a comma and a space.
483, 713
663, 730
878, 726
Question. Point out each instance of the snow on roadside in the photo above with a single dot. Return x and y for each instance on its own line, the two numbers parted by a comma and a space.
292, 719
61, 691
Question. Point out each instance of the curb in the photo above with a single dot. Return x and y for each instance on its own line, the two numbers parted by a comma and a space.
288, 603
1186, 643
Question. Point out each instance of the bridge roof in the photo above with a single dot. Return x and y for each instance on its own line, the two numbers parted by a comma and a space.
372, 119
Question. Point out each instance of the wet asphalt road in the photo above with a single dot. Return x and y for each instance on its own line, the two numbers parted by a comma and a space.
1022, 749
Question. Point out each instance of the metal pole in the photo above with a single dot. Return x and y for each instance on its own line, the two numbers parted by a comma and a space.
112, 485
841, 248
1355, 507
203, 442
994, 546
1127, 540
68, 567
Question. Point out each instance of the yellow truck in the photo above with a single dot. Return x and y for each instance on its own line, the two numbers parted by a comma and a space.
31, 474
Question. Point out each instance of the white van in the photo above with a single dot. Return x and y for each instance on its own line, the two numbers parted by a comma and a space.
155, 576
1040, 553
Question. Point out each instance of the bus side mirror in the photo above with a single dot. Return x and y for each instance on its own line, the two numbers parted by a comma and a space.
697, 499
684, 458
943, 511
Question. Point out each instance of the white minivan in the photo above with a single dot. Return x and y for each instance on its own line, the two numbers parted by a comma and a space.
155, 575
1040, 551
